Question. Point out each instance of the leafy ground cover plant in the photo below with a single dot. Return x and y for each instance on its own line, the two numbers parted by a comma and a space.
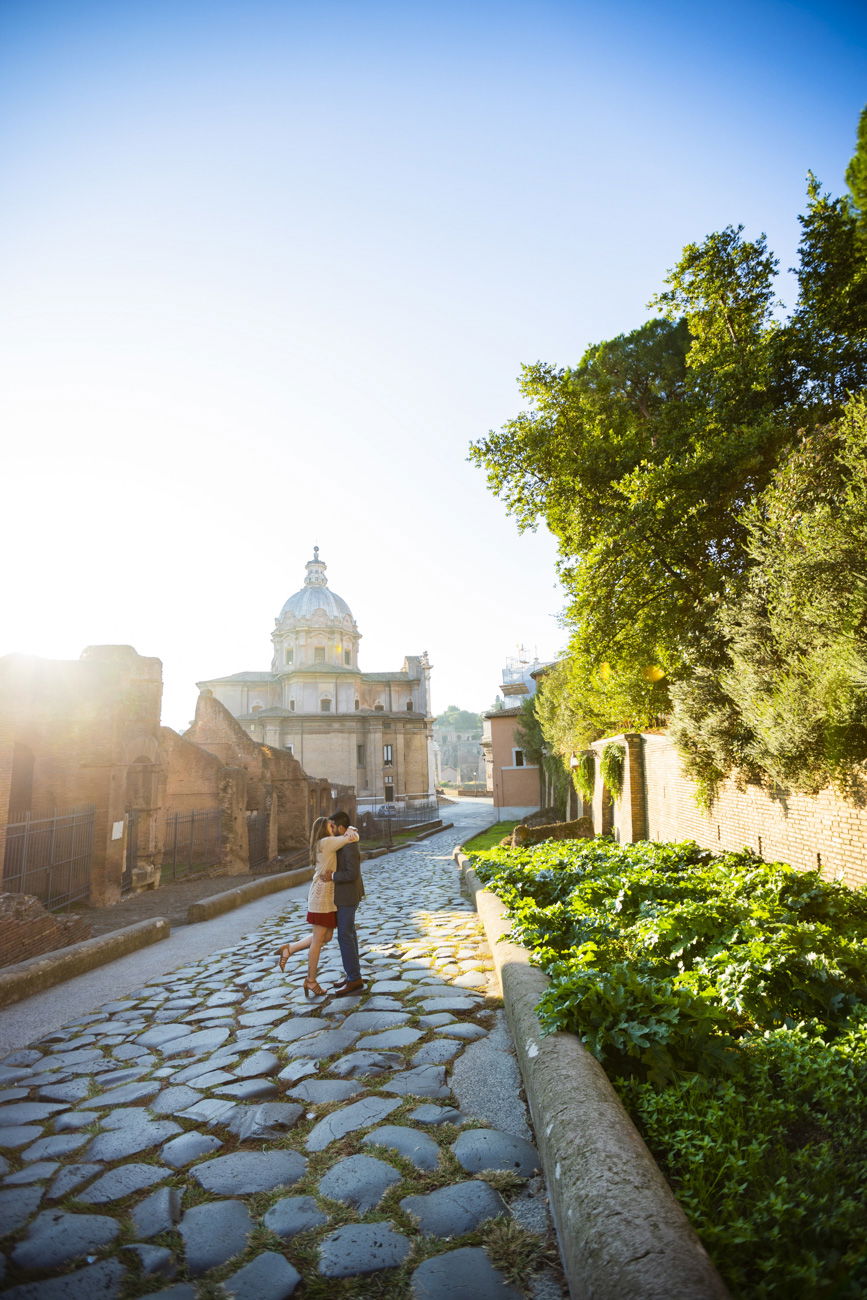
726, 998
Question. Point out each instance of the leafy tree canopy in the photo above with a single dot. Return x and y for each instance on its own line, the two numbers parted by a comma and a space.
459, 719
788, 699
648, 461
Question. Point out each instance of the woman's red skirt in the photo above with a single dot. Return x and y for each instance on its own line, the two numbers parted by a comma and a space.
328, 919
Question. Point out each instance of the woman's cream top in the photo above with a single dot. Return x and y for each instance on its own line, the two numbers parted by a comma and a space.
320, 897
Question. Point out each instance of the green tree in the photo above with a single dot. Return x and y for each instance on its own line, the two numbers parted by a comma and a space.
638, 461
826, 339
647, 460
456, 719
531, 736
788, 701
856, 173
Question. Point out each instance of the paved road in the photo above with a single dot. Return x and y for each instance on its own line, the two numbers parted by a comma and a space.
209, 1124
42, 1014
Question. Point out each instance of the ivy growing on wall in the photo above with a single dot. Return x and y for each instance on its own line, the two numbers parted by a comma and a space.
611, 762
584, 774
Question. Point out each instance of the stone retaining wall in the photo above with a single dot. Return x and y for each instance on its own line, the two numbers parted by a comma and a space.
28, 930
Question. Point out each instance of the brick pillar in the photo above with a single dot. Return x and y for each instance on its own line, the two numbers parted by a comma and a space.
108, 787
273, 823
233, 802
628, 817
632, 810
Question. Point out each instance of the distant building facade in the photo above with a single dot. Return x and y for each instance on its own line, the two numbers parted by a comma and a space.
510, 778
367, 730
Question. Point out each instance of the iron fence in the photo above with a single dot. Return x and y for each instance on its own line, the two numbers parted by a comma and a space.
193, 842
50, 857
383, 823
257, 838
130, 857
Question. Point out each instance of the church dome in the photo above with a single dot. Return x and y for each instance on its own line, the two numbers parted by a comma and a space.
315, 595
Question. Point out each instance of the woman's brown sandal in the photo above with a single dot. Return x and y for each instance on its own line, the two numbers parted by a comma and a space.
312, 989
284, 953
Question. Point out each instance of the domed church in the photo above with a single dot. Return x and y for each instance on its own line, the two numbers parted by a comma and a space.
369, 730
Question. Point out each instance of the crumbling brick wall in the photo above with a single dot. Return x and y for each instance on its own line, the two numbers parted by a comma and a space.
27, 930
197, 780
275, 778
83, 723
580, 829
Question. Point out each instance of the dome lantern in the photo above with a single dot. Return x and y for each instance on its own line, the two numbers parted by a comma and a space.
315, 626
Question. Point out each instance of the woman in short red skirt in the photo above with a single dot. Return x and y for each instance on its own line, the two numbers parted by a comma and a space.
321, 912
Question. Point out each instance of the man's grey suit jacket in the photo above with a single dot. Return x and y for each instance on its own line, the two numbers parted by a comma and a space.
348, 885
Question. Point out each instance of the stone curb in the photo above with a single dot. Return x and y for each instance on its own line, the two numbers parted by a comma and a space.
622, 1234
37, 973
207, 908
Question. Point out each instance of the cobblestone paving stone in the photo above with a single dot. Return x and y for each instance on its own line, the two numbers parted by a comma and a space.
217, 1127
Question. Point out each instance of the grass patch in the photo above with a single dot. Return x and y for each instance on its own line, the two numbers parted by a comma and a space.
517, 1253
490, 838
503, 1181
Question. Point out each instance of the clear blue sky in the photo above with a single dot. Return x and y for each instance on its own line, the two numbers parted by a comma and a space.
267, 268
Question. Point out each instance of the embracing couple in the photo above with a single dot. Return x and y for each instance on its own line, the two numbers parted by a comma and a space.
335, 892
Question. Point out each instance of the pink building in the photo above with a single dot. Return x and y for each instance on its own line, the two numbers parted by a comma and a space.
510, 778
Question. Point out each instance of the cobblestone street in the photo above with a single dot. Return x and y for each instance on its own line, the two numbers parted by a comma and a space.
214, 1127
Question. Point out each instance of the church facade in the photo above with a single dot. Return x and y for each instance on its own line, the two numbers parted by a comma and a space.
368, 730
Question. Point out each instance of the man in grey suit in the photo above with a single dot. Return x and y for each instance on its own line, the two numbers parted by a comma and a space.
348, 893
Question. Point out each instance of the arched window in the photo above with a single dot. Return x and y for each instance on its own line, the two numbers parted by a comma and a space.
290, 655
325, 704
347, 658
409, 706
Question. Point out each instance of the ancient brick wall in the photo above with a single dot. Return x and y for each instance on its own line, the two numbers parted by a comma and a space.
80, 724
275, 778
196, 780
821, 832
811, 832
27, 930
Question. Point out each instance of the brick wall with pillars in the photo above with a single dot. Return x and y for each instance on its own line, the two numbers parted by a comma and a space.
823, 832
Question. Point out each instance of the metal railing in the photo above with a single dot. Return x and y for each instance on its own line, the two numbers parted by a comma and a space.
383, 823
50, 857
193, 842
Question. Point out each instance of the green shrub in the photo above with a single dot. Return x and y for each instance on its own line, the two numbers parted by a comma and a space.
727, 998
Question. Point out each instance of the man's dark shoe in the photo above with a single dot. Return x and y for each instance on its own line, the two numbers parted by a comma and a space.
348, 986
